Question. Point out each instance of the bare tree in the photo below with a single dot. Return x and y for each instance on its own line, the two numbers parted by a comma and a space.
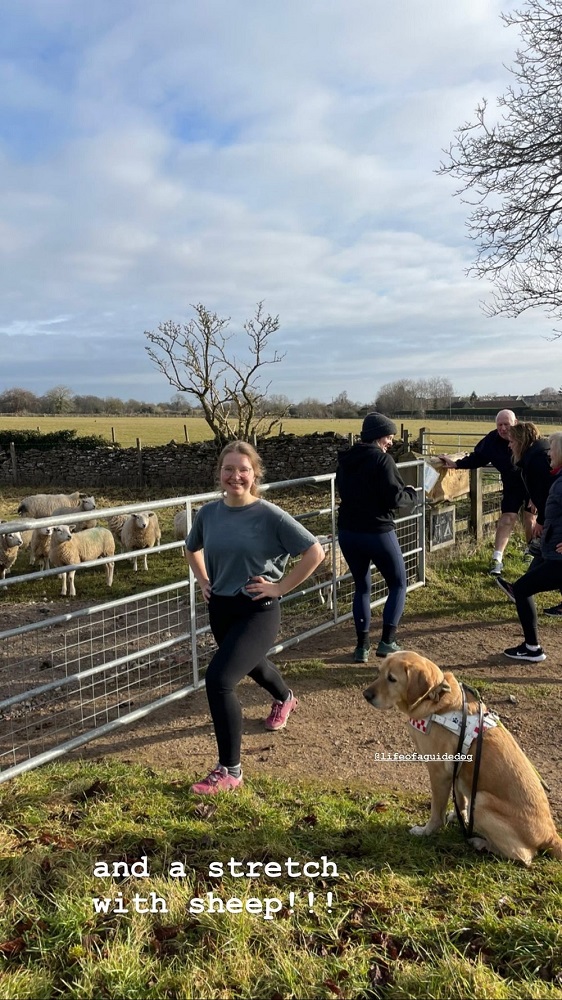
195, 359
510, 167
414, 395
59, 399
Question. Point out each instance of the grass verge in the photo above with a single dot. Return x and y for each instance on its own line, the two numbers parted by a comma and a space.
407, 917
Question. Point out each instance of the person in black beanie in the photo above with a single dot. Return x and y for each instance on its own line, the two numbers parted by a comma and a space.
370, 489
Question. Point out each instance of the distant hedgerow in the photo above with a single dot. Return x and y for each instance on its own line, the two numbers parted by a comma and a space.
28, 439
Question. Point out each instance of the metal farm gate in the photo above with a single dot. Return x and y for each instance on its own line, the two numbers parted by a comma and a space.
66, 678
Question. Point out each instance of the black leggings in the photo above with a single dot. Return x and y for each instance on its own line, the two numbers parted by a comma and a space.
542, 575
244, 630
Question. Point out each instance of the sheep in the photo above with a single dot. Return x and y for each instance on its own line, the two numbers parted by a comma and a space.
40, 546
86, 503
140, 531
115, 524
324, 571
10, 543
68, 549
43, 504
180, 528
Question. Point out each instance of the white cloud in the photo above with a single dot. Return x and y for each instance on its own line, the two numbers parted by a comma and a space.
157, 155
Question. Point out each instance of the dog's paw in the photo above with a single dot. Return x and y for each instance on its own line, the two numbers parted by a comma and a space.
452, 816
480, 843
419, 831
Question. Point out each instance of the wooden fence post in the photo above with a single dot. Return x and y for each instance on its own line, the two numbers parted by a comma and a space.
476, 504
186, 432
406, 439
422, 441
139, 463
113, 434
14, 463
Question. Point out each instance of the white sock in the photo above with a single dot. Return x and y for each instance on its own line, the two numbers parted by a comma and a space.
498, 555
532, 648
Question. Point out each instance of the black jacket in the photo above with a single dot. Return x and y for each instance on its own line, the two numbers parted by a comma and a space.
492, 450
552, 534
370, 489
537, 475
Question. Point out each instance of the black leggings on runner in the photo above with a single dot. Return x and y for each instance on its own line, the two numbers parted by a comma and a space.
542, 575
244, 630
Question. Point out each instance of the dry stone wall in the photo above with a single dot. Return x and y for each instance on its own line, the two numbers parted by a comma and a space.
183, 468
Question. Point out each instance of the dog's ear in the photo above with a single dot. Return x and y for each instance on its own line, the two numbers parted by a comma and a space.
425, 682
439, 690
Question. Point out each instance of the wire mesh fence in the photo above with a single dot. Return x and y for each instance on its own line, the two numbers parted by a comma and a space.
69, 676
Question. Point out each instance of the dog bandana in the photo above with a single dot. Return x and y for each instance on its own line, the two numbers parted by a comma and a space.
453, 720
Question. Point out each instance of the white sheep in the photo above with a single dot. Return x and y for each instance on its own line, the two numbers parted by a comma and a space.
40, 546
140, 531
10, 543
180, 528
115, 524
68, 549
43, 504
324, 571
86, 503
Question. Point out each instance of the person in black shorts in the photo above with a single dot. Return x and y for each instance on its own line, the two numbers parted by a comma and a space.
494, 450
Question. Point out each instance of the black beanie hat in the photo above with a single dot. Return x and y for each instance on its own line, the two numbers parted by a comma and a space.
375, 426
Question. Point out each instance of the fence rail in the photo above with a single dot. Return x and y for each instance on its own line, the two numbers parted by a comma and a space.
67, 678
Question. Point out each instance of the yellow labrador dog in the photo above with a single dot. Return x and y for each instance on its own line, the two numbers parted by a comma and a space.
511, 810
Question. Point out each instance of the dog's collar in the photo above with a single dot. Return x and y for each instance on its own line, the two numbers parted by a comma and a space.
453, 720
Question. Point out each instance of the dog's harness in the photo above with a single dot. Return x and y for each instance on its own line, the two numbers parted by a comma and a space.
469, 728
453, 721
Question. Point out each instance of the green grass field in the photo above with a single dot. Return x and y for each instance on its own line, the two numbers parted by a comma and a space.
394, 915
160, 430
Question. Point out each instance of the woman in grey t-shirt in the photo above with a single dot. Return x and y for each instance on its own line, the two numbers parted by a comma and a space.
238, 548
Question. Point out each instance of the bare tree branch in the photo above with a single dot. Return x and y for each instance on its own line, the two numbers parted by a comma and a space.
195, 359
510, 169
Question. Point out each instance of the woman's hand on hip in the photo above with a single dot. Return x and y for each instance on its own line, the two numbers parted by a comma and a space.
258, 588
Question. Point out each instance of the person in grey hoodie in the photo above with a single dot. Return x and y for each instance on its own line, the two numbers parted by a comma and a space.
370, 490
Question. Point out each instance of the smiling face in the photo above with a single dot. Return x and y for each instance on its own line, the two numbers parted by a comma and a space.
237, 477
385, 442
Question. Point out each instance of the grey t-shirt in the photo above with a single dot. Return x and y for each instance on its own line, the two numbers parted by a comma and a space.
241, 542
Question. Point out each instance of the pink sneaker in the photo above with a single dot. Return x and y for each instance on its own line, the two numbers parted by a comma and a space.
219, 780
280, 712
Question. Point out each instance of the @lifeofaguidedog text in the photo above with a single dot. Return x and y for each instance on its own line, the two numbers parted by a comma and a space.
415, 756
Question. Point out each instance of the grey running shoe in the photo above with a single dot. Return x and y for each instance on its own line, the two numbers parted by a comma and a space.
386, 648
361, 654
496, 567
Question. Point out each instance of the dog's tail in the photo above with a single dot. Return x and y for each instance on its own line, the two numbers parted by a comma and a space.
554, 845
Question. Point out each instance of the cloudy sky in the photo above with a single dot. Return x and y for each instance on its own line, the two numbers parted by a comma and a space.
155, 155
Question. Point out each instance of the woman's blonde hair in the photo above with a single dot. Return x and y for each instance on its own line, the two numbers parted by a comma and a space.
244, 448
555, 444
522, 436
